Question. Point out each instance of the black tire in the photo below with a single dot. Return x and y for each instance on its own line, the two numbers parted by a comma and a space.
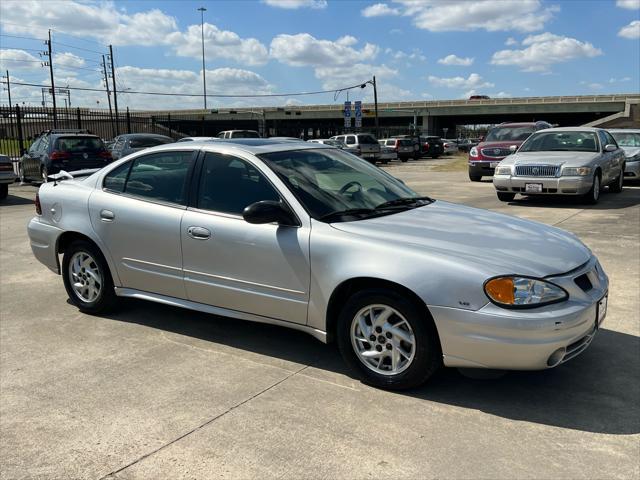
4, 190
475, 178
434, 156
106, 300
506, 196
428, 354
618, 184
593, 195
404, 160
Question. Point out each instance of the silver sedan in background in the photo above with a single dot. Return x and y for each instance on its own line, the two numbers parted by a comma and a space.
562, 161
309, 237
629, 141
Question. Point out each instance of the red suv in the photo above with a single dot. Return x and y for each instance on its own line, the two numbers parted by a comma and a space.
484, 158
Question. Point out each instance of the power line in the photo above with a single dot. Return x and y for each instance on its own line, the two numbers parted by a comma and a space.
55, 42
21, 37
165, 94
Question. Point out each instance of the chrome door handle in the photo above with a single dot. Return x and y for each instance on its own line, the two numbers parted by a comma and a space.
199, 233
107, 215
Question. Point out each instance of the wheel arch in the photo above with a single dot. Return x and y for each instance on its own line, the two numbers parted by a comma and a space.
348, 287
70, 236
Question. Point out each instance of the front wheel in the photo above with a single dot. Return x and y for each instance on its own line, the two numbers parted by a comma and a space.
4, 190
593, 195
617, 185
87, 279
390, 341
506, 196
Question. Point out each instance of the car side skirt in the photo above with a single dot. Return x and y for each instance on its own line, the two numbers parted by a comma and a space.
223, 312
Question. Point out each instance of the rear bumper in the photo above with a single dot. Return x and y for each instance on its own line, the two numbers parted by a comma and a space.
553, 186
44, 239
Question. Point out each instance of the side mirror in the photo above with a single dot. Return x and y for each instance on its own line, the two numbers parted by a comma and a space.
610, 147
269, 211
513, 148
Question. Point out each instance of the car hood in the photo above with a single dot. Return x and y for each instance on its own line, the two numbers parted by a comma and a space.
631, 151
574, 159
495, 243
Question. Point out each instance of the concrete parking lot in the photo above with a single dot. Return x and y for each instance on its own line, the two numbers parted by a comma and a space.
158, 392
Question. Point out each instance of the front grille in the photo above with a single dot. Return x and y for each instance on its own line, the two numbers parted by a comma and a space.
583, 282
536, 170
496, 152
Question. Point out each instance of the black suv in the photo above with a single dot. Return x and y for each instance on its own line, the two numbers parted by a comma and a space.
431, 146
56, 150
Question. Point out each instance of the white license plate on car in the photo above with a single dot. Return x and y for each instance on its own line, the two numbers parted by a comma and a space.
602, 309
493, 164
533, 188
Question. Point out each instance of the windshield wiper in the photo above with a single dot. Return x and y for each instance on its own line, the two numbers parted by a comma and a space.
347, 212
405, 201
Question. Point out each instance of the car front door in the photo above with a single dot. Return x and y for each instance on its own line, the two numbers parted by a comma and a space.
258, 269
137, 215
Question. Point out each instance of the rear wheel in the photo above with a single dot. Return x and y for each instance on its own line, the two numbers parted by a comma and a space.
475, 178
593, 195
617, 185
4, 190
388, 339
506, 196
87, 279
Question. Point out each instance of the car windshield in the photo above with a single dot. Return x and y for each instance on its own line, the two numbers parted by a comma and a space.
145, 142
506, 134
627, 139
332, 184
561, 141
78, 144
366, 139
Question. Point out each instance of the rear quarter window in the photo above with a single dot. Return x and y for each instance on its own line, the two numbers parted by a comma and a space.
146, 142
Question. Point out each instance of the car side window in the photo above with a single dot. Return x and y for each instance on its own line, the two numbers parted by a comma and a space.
44, 144
610, 139
114, 180
160, 176
35, 146
229, 184
351, 140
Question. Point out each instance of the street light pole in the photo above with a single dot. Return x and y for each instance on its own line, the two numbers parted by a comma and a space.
375, 101
204, 74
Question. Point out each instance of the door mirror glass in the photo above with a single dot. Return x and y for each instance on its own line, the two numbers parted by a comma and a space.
610, 148
268, 211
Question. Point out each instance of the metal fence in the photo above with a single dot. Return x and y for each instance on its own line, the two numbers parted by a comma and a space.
20, 126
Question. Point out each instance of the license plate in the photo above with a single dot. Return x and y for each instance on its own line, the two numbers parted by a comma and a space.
368, 155
533, 188
602, 310
493, 164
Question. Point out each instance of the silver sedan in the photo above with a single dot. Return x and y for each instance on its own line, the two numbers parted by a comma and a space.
309, 237
629, 141
562, 161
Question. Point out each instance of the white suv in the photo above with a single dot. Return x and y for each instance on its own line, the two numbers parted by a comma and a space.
365, 144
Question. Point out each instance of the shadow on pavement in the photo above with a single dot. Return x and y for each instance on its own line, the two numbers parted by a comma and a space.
596, 392
629, 197
15, 200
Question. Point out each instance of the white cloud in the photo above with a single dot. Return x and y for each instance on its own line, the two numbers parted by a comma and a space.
629, 4
217, 44
415, 54
305, 50
15, 59
295, 4
473, 81
544, 50
379, 10
456, 61
67, 59
337, 76
102, 21
490, 15
631, 31
510, 42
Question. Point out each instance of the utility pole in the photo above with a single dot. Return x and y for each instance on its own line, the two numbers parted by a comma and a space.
9, 88
204, 74
106, 82
115, 95
53, 86
375, 101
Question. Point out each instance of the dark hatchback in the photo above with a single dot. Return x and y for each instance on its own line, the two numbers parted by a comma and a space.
129, 143
57, 150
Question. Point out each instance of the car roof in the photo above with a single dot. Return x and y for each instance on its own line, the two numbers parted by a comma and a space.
570, 129
255, 146
135, 135
71, 134
623, 130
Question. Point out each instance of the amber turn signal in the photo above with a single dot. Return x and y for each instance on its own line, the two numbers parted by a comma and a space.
501, 290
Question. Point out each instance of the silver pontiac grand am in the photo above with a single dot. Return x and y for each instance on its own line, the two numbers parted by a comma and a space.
313, 238
562, 161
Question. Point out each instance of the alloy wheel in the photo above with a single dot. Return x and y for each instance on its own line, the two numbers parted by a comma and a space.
383, 339
85, 277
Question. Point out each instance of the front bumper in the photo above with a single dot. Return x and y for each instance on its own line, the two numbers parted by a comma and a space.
550, 185
8, 177
497, 338
483, 167
632, 171
44, 239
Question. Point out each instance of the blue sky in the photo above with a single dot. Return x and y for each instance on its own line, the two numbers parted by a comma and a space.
419, 50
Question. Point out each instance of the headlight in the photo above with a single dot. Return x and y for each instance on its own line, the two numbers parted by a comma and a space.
473, 152
576, 171
503, 171
523, 292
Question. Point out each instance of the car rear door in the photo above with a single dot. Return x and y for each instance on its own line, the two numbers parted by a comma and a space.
137, 214
258, 269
